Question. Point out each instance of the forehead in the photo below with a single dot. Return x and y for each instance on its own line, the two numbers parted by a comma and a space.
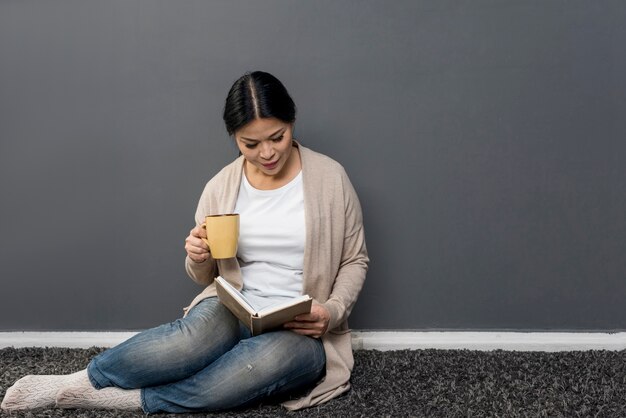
261, 128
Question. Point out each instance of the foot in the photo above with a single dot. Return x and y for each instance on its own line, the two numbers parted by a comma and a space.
39, 391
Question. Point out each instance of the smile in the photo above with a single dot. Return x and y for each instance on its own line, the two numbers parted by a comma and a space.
271, 165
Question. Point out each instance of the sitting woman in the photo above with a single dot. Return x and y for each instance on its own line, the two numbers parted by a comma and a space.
301, 233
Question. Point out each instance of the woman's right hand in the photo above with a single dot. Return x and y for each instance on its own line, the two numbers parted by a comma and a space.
196, 248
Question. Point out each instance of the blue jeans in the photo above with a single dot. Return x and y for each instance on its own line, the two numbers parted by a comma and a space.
208, 361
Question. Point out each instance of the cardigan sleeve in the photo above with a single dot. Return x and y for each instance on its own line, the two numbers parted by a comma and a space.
202, 273
354, 260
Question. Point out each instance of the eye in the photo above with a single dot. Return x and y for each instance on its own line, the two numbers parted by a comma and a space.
251, 146
280, 138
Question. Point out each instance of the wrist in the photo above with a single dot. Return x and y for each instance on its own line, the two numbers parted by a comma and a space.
333, 307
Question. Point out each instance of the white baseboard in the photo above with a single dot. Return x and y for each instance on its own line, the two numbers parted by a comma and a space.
370, 340
487, 341
63, 339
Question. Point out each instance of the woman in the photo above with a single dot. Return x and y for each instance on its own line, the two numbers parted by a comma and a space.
301, 233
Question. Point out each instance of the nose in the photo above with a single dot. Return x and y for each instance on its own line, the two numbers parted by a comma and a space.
267, 151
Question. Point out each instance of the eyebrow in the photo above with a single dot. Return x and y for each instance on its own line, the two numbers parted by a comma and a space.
271, 135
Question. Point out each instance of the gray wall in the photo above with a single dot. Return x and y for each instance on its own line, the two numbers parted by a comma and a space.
485, 139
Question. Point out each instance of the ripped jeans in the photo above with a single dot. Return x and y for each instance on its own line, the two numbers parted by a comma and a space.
208, 361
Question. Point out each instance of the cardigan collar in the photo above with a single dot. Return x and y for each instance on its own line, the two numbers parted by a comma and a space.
229, 268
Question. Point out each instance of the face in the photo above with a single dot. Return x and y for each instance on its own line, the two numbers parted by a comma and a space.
266, 144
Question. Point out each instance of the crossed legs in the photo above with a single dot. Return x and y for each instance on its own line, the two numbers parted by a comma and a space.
203, 362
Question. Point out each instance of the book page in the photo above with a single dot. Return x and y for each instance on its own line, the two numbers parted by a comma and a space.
237, 295
282, 305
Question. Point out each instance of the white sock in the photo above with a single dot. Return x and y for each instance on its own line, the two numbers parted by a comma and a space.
88, 397
39, 391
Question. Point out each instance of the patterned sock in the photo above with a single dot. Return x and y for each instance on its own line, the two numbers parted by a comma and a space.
39, 391
87, 397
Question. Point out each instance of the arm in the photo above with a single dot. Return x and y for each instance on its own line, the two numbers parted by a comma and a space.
354, 260
199, 264
350, 275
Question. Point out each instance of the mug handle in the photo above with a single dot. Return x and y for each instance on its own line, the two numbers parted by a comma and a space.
206, 241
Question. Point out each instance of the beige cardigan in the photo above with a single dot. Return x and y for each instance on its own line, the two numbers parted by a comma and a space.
335, 258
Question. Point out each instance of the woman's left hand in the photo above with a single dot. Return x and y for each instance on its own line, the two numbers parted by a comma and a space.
313, 324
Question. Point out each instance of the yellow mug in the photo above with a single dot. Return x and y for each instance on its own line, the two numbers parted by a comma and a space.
222, 233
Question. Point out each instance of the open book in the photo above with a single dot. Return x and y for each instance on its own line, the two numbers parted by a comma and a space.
265, 319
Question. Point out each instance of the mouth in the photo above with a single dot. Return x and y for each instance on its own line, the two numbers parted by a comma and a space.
270, 166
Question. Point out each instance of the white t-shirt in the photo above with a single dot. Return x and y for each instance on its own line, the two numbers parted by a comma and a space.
271, 241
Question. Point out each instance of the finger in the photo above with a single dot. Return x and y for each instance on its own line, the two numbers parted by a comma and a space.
307, 332
198, 258
201, 232
304, 325
193, 238
196, 250
198, 232
196, 242
310, 317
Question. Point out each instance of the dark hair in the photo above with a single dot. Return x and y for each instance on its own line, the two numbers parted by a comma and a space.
257, 95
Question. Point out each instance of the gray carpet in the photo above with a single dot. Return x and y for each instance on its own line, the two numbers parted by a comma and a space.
456, 383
